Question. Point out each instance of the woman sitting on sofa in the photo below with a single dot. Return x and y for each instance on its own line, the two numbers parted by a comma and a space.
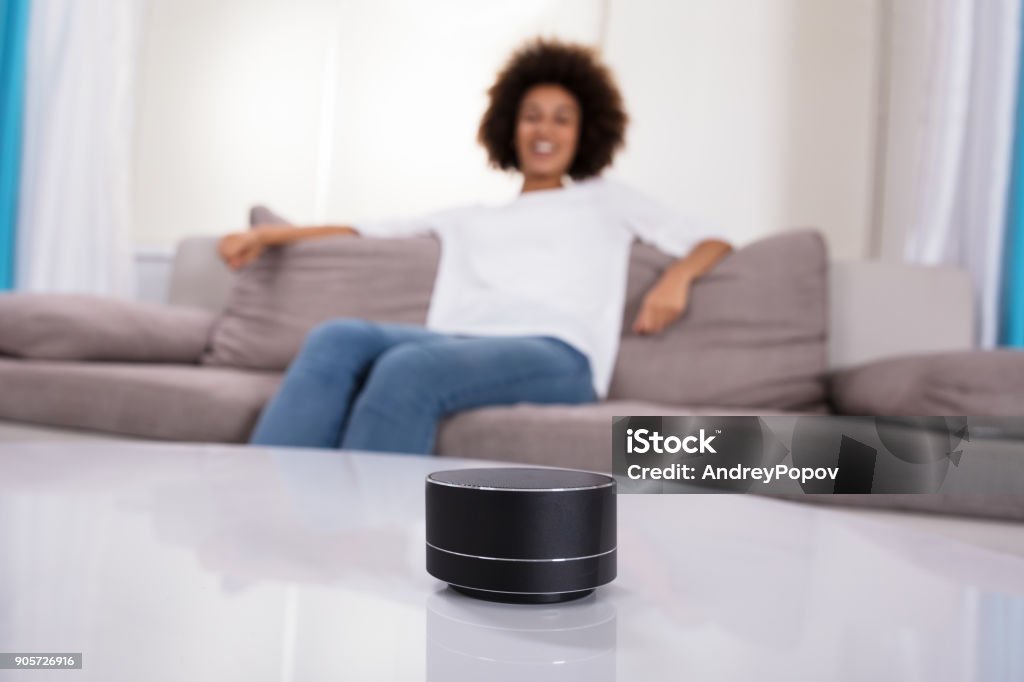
528, 299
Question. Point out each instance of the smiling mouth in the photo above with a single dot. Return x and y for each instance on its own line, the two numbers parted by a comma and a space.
542, 148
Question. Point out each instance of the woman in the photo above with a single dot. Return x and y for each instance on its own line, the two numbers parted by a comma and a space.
528, 298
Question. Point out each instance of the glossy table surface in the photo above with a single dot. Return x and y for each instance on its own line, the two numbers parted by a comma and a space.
178, 562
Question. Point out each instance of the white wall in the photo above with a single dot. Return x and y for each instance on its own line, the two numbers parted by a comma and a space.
229, 97
912, 26
325, 109
754, 115
153, 274
412, 83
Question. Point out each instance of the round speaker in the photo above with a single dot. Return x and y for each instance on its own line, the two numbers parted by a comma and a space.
521, 535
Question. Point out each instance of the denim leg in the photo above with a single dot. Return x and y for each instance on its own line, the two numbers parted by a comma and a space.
413, 386
312, 405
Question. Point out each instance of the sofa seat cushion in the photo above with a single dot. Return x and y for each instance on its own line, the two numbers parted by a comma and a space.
168, 402
573, 436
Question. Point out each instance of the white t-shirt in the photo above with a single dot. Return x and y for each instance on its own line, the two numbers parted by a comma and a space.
549, 263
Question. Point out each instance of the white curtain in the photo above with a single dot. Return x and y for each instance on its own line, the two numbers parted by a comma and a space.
962, 175
74, 231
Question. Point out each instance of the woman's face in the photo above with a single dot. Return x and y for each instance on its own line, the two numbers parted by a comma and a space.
547, 131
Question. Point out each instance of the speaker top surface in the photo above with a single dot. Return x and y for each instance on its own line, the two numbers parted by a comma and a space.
522, 479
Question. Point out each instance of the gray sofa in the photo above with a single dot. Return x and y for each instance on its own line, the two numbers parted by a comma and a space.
764, 334
776, 328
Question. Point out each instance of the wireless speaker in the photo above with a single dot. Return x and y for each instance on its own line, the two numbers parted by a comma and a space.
521, 534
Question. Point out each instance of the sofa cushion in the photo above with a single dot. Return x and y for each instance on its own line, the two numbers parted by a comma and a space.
262, 215
276, 300
82, 327
279, 298
573, 436
970, 383
754, 333
172, 402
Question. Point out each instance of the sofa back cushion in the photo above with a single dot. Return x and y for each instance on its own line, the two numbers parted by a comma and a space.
276, 300
754, 333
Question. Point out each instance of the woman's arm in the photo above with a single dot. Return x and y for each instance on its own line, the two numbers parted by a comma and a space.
238, 249
667, 299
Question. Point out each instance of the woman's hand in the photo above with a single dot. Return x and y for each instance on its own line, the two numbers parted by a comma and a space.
664, 304
238, 249
666, 301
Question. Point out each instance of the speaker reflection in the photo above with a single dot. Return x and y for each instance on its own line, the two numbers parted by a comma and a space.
476, 640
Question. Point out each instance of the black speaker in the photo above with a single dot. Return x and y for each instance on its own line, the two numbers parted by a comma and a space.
521, 534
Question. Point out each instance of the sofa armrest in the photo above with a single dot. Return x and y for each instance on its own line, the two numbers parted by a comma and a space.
199, 278
83, 327
880, 310
972, 383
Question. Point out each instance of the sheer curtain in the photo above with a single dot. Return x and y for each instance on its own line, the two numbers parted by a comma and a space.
74, 231
959, 182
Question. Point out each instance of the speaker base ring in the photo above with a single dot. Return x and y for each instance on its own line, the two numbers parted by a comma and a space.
521, 598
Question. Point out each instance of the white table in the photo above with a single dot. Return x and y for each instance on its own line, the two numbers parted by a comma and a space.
176, 562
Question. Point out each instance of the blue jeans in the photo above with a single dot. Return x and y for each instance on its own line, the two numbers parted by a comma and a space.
364, 386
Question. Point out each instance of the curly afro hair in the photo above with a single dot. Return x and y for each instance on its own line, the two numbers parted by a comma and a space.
577, 69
